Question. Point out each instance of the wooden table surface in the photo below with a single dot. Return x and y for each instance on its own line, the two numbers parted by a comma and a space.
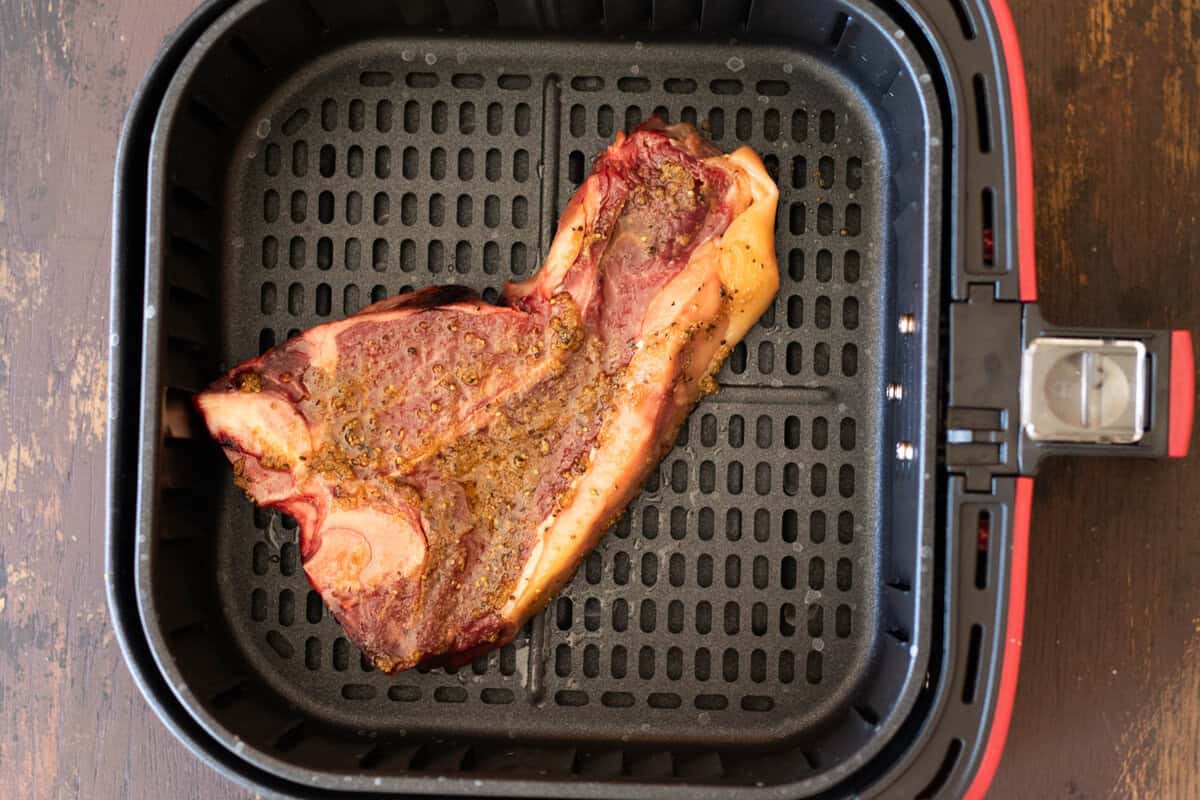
1109, 697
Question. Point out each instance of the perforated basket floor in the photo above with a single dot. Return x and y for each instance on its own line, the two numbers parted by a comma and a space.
743, 578
757, 598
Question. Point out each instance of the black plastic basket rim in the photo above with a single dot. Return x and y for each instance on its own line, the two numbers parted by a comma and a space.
212, 32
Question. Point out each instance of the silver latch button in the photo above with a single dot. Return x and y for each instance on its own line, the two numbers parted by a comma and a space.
1084, 390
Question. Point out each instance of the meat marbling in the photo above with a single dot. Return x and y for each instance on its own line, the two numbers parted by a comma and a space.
450, 461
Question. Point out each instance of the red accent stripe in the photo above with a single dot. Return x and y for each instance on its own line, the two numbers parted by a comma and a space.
1022, 141
1006, 692
1183, 394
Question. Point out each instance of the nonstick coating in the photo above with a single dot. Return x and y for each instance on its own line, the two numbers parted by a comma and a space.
753, 617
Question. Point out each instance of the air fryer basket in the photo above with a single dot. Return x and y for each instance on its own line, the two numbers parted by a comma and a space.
801, 586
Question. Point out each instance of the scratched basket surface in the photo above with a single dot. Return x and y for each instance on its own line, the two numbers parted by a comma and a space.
740, 600
742, 580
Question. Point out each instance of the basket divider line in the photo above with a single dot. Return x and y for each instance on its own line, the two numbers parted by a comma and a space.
548, 169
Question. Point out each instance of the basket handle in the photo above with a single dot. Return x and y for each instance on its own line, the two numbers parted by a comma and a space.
1104, 392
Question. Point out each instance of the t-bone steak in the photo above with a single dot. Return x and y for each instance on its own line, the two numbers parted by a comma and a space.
450, 461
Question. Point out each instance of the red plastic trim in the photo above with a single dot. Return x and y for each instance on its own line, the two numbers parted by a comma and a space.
1006, 692
1010, 665
1023, 144
1183, 394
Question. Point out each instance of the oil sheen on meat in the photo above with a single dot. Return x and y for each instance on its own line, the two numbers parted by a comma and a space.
450, 461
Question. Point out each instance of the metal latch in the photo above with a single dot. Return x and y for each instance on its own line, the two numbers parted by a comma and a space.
1084, 390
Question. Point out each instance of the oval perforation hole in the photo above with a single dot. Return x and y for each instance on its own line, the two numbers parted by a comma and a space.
799, 125
522, 119
842, 621
450, 694
587, 83
279, 643
796, 264
787, 619
646, 662
791, 480
679, 85
844, 574
743, 124
299, 206
787, 573
272, 159
649, 569
591, 661
354, 161
794, 360
845, 527
790, 526
797, 219
824, 219
716, 123
771, 164
816, 573
495, 696
258, 605
296, 299
852, 266
702, 664
850, 360
826, 172
818, 480
827, 126
327, 160
799, 172
853, 220
647, 616
760, 568
813, 667
514, 82
314, 609
300, 159
384, 111
821, 358
816, 621
766, 358
730, 665
382, 208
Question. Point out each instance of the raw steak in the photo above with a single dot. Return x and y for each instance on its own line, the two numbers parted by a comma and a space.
450, 461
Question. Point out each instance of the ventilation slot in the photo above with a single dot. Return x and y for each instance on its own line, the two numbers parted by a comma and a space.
989, 227
514, 82
972, 671
944, 771
421, 80
467, 81
964, 18
982, 115
982, 538
376, 78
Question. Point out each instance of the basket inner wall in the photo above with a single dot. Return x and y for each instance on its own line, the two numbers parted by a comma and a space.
739, 602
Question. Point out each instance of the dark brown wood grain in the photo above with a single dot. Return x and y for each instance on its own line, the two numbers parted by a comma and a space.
1109, 697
